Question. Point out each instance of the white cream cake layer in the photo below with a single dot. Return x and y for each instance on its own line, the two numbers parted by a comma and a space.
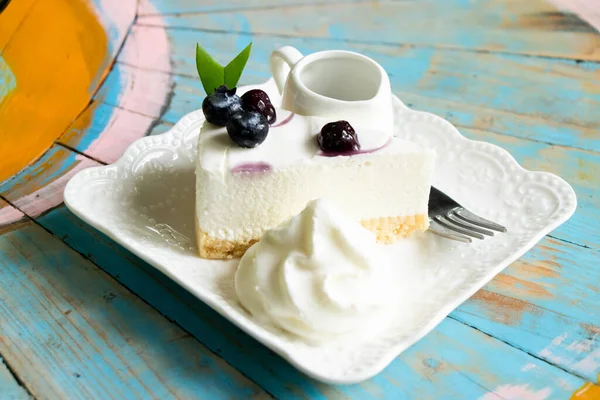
242, 192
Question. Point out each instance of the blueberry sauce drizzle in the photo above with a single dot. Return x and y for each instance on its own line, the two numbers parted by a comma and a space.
353, 152
285, 121
253, 168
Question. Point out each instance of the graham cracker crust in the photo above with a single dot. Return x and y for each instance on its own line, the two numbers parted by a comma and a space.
387, 230
220, 249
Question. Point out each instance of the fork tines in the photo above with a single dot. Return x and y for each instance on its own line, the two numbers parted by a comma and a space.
449, 219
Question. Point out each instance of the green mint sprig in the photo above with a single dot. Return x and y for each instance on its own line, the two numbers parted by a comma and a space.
212, 74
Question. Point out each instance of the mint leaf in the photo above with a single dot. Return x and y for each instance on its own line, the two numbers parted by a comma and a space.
211, 73
233, 70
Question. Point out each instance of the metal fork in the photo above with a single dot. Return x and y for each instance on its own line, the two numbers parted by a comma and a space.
449, 219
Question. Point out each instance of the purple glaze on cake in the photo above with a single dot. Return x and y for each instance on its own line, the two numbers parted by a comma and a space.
285, 121
253, 168
353, 152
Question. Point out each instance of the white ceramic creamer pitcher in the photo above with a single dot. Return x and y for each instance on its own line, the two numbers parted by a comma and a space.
335, 84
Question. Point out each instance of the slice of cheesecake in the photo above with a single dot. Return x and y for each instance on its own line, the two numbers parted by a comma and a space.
240, 193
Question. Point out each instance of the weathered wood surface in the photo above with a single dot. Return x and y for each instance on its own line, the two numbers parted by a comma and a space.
533, 332
9, 216
9, 387
170, 7
533, 27
70, 331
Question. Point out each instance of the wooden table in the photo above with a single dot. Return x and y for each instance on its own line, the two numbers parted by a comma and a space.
80, 317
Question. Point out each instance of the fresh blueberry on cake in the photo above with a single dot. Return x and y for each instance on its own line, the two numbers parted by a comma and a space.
248, 129
338, 137
221, 105
259, 101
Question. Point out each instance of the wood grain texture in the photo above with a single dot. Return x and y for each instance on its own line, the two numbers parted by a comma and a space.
137, 88
103, 131
166, 7
40, 186
73, 332
454, 359
533, 27
9, 387
9, 216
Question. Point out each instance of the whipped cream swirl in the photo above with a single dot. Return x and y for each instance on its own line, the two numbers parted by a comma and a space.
318, 276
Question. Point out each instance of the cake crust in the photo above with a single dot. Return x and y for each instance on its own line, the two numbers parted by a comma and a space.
387, 230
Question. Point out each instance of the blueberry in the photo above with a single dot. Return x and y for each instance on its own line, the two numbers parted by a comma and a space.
248, 128
259, 101
221, 105
338, 137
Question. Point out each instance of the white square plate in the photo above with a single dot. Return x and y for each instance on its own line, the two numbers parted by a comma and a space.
145, 202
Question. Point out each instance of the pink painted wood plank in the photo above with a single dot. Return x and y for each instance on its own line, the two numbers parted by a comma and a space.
532, 27
40, 186
148, 49
8, 215
144, 91
116, 17
587, 10
129, 100
103, 132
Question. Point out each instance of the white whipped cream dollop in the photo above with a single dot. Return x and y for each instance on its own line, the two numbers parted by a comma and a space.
319, 275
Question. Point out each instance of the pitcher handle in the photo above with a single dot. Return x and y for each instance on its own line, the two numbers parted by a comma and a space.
282, 61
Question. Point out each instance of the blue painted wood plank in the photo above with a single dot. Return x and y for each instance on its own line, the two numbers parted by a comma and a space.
70, 331
543, 309
578, 167
153, 7
533, 27
465, 349
10, 389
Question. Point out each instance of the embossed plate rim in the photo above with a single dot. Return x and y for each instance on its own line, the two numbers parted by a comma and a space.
79, 181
